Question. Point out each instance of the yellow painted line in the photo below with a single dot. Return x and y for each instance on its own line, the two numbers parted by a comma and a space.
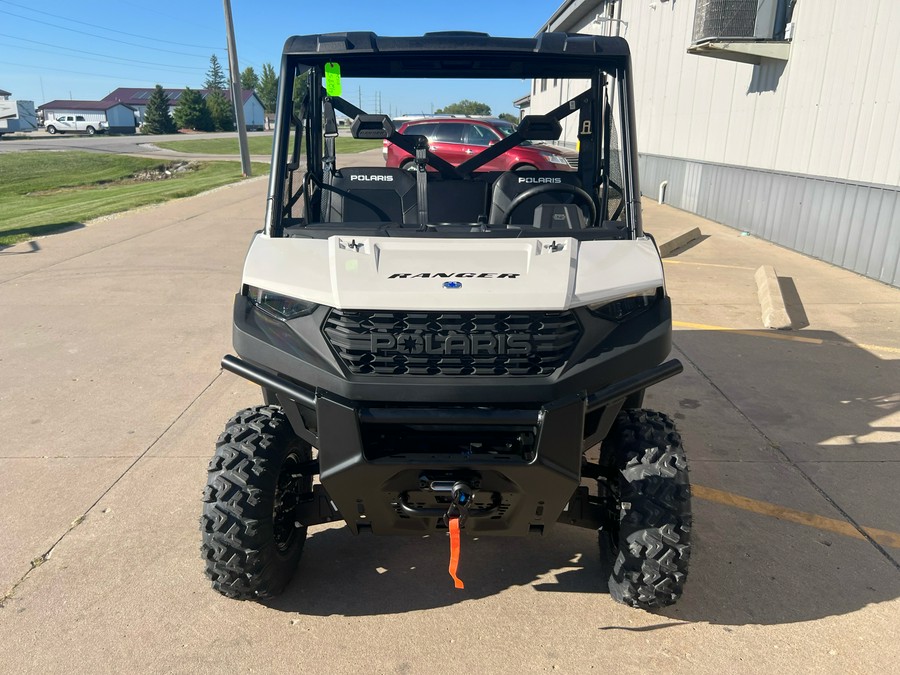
781, 336
883, 537
875, 348
755, 333
667, 261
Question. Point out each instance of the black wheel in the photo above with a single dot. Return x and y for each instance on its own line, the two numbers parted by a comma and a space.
51, 129
251, 540
409, 165
91, 131
645, 548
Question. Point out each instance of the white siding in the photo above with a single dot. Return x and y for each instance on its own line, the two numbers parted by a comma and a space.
832, 110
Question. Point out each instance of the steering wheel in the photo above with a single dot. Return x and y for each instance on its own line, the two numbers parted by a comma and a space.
582, 196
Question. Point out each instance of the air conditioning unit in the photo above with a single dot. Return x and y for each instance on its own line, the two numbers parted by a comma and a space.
734, 19
747, 31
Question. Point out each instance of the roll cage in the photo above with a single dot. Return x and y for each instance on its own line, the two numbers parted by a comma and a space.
303, 159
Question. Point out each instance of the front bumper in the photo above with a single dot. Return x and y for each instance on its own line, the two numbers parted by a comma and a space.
383, 467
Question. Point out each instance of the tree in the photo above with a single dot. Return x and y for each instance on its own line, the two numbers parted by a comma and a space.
191, 112
300, 87
220, 111
466, 107
249, 79
215, 76
268, 88
156, 118
508, 117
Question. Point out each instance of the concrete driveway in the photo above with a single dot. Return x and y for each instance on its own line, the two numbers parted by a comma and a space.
112, 398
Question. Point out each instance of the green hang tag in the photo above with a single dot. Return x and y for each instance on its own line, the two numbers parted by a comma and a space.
333, 79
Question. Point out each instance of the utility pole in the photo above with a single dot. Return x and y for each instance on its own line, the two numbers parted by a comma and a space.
237, 96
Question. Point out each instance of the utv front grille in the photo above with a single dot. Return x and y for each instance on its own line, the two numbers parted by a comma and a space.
490, 344
572, 161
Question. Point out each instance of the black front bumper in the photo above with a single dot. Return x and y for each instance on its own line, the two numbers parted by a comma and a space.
381, 465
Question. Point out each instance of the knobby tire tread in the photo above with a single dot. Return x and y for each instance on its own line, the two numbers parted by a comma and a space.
648, 561
242, 559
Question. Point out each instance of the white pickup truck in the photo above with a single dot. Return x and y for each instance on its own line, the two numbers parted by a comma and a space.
75, 124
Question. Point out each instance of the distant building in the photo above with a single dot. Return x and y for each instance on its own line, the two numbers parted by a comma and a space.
119, 117
254, 112
4, 95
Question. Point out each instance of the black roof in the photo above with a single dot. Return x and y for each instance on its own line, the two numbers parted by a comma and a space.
460, 54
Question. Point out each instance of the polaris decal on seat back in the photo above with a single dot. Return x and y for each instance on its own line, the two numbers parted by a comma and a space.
542, 180
374, 177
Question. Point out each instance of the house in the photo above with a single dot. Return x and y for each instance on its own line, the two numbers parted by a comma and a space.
119, 117
254, 113
777, 118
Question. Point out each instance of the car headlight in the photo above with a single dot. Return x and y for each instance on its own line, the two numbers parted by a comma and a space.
626, 307
282, 306
554, 159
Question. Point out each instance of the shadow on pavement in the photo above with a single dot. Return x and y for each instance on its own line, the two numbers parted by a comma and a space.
747, 568
40, 230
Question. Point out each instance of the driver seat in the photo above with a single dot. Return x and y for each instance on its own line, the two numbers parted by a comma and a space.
511, 184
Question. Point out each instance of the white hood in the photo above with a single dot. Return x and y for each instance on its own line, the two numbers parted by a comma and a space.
547, 273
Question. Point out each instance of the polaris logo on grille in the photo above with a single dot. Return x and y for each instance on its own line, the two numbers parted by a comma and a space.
540, 180
374, 177
455, 275
488, 344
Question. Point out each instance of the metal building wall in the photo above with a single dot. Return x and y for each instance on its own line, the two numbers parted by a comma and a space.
809, 148
852, 225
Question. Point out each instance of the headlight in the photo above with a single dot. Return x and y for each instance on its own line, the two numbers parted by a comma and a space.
554, 159
623, 308
281, 306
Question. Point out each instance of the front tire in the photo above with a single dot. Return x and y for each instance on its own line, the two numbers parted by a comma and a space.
645, 548
251, 540
51, 130
91, 131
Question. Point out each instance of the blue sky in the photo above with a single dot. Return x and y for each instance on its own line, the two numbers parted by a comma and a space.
83, 50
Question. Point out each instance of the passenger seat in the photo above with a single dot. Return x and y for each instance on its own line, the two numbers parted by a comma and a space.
377, 194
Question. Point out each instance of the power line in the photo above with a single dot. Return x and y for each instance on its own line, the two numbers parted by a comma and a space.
111, 30
31, 67
104, 57
102, 37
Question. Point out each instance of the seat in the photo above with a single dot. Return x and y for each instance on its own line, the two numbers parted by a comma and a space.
511, 184
458, 201
376, 194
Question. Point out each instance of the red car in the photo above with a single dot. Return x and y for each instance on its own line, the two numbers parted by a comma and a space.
456, 139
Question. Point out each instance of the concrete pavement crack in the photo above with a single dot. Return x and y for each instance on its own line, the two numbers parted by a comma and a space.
787, 460
41, 559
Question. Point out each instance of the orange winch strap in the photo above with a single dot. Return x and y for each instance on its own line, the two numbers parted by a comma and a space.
454, 551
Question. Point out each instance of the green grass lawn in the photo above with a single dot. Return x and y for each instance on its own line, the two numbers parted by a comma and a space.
259, 145
43, 192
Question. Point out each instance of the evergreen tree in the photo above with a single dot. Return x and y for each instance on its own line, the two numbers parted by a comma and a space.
508, 117
156, 117
249, 79
191, 112
268, 88
220, 111
215, 76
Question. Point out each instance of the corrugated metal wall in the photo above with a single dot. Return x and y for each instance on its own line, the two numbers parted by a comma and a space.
805, 153
848, 224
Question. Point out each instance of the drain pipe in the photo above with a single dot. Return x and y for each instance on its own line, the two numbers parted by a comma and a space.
662, 191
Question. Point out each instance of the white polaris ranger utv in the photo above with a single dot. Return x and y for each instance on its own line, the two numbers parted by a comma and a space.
446, 346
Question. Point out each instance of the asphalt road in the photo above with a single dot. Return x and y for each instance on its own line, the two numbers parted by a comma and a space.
112, 397
143, 146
